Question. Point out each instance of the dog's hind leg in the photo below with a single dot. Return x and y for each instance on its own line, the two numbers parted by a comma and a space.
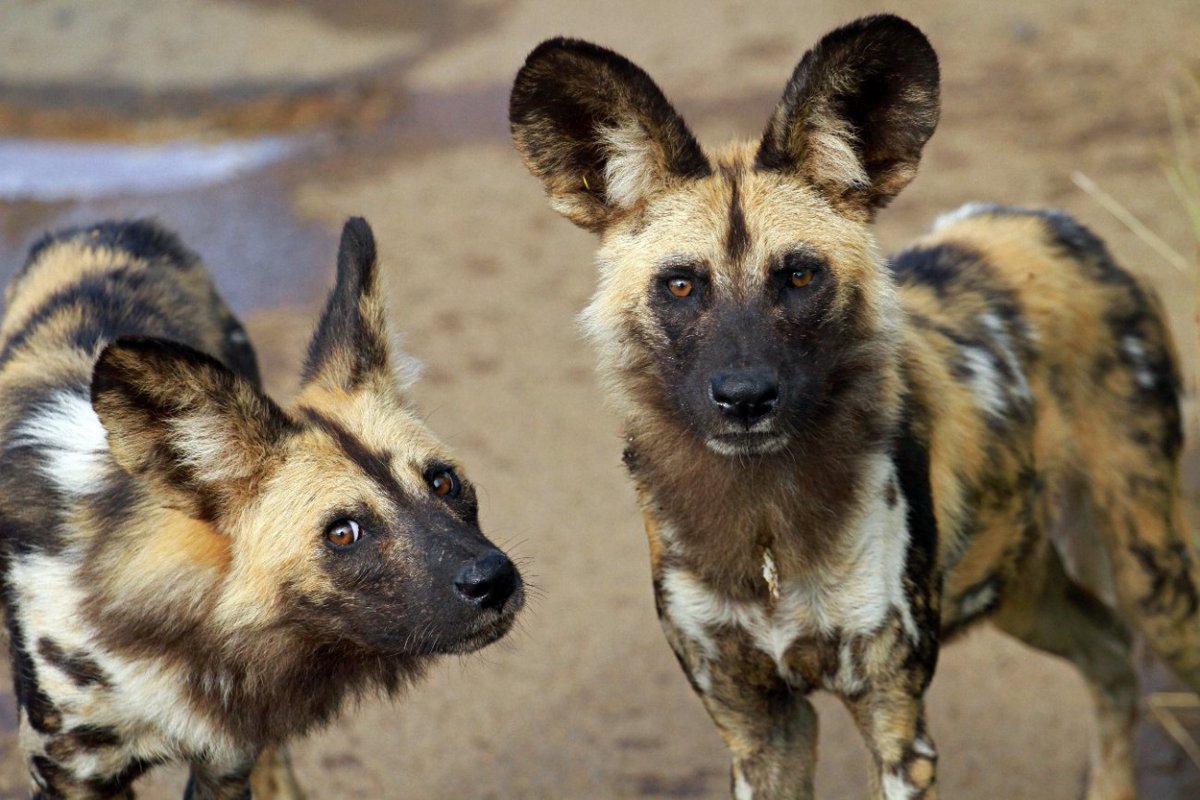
1048, 610
1156, 577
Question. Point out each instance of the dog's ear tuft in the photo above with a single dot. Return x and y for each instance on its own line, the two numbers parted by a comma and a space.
597, 131
856, 114
185, 423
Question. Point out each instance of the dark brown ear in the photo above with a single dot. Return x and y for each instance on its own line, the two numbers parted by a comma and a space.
856, 113
597, 131
351, 346
184, 422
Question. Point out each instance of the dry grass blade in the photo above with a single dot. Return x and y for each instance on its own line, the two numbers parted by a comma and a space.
1135, 225
1165, 707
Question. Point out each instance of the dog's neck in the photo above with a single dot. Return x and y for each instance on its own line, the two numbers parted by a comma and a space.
741, 522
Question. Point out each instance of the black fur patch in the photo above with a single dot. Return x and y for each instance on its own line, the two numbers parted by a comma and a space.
922, 580
44, 716
141, 238
737, 238
116, 303
937, 267
238, 354
51, 776
82, 670
84, 738
1171, 589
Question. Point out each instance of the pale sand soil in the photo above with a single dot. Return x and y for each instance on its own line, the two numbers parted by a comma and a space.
585, 699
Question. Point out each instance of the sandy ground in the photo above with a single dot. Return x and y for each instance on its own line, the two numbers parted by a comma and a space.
398, 113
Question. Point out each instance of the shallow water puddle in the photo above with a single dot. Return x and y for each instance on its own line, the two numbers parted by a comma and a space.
50, 171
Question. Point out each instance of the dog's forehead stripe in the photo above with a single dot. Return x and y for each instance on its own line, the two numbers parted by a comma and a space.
737, 238
373, 463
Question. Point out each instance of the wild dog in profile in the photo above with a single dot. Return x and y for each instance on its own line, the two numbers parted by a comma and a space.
191, 571
842, 461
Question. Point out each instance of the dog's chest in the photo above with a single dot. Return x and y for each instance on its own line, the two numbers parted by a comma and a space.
139, 705
815, 627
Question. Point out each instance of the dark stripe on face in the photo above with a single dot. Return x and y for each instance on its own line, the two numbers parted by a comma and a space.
372, 462
737, 238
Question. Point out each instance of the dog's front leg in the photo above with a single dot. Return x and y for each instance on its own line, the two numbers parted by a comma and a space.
892, 721
772, 736
773, 741
209, 780
770, 729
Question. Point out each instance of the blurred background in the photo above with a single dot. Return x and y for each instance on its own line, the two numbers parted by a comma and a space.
254, 127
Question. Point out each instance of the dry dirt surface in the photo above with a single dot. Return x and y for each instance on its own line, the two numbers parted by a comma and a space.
396, 111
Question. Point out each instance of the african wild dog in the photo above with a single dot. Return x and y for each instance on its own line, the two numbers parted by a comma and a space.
844, 461
192, 572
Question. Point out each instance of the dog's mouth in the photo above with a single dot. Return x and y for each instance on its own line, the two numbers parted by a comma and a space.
491, 631
460, 636
746, 443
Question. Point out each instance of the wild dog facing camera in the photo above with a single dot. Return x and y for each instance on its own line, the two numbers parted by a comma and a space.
740, 296
843, 461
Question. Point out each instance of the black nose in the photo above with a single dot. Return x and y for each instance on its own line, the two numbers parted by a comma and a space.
746, 395
489, 581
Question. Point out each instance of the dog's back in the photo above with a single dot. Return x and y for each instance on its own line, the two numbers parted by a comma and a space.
1052, 391
79, 290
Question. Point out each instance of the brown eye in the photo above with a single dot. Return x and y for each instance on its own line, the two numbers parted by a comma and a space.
802, 278
444, 483
343, 533
680, 287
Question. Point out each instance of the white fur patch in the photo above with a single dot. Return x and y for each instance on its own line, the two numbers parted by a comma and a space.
632, 168
984, 380
977, 601
852, 597
742, 790
923, 747
1135, 351
68, 434
965, 211
207, 446
1003, 343
142, 699
897, 787
831, 144
997, 394
734, 448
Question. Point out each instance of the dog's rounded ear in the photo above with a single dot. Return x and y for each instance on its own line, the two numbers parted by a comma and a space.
856, 114
184, 422
597, 131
